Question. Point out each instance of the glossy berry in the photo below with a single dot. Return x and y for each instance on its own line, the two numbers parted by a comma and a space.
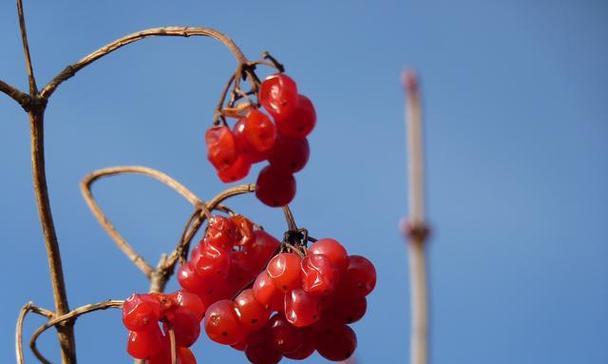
279, 95
146, 343
360, 276
244, 230
222, 150
306, 349
140, 311
345, 310
285, 337
255, 135
189, 280
222, 323
284, 271
289, 154
236, 171
184, 355
262, 351
190, 302
260, 250
300, 122
336, 343
209, 261
319, 276
186, 326
221, 232
266, 293
301, 308
333, 250
252, 314
275, 187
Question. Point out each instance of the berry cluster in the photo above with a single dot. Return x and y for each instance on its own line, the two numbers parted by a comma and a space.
179, 312
255, 138
314, 297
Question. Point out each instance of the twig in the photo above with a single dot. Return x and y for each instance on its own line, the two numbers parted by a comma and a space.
173, 350
181, 31
21, 97
27, 308
416, 230
26, 50
69, 317
130, 252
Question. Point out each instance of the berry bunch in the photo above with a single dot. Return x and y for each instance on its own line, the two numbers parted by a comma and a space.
179, 312
314, 293
255, 138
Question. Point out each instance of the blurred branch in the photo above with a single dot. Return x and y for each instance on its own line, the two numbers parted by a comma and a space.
27, 308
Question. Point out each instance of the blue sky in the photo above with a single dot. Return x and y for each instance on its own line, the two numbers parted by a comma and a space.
517, 130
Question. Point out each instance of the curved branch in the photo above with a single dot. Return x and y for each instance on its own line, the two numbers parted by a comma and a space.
27, 308
130, 252
14, 93
69, 317
181, 31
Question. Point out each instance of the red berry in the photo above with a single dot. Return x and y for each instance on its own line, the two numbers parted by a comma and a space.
140, 311
146, 343
300, 122
267, 293
185, 325
209, 261
221, 147
236, 171
253, 315
301, 308
222, 323
261, 350
336, 343
284, 271
221, 233
275, 187
345, 310
306, 349
185, 356
189, 280
319, 276
244, 230
255, 134
279, 95
360, 276
333, 250
285, 337
289, 154
263, 247
191, 303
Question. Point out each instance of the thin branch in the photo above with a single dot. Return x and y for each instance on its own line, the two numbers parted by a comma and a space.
69, 317
21, 97
181, 31
26, 50
121, 242
416, 229
27, 308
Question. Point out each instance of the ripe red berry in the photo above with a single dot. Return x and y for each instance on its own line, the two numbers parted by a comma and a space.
289, 154
236, 171
345, 310
284, 271
209, 261
244, 230
360, 276
336, 343
300, 122
185, 325
306, 349
222, 323
191, 303
140, 311
279, 95
267, 293
255, 135
146, 343
301, 308
333, 250
222, 150
221, 233
185, 356
275, 187
262, 248
189, 280
261, 350
253, 315
319, 276
285, 337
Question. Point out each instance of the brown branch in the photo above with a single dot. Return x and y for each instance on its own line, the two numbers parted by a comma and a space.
416, 229
181, 31
21, 97
69, 318
130, 252
26, 50
27, 308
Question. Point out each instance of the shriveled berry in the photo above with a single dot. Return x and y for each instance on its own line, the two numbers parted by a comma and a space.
279, 95
275, 187
222, 323
210, 261
284, 271
333, 250
319, 276
253, 314
221, 232
140, 311
300, 122
255, 134
336, 343
289, 154
236, 171
266, 293
146, 343
244, 230
222, 150
301, 308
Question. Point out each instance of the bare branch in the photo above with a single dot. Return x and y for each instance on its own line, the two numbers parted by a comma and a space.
26, 50
21, 97
69, 318
121, 242
27, 308
181, 31
416, 230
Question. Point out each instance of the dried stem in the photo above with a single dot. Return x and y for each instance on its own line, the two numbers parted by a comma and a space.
69, 318
416, 230
26, 49
21, 97
27, 308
